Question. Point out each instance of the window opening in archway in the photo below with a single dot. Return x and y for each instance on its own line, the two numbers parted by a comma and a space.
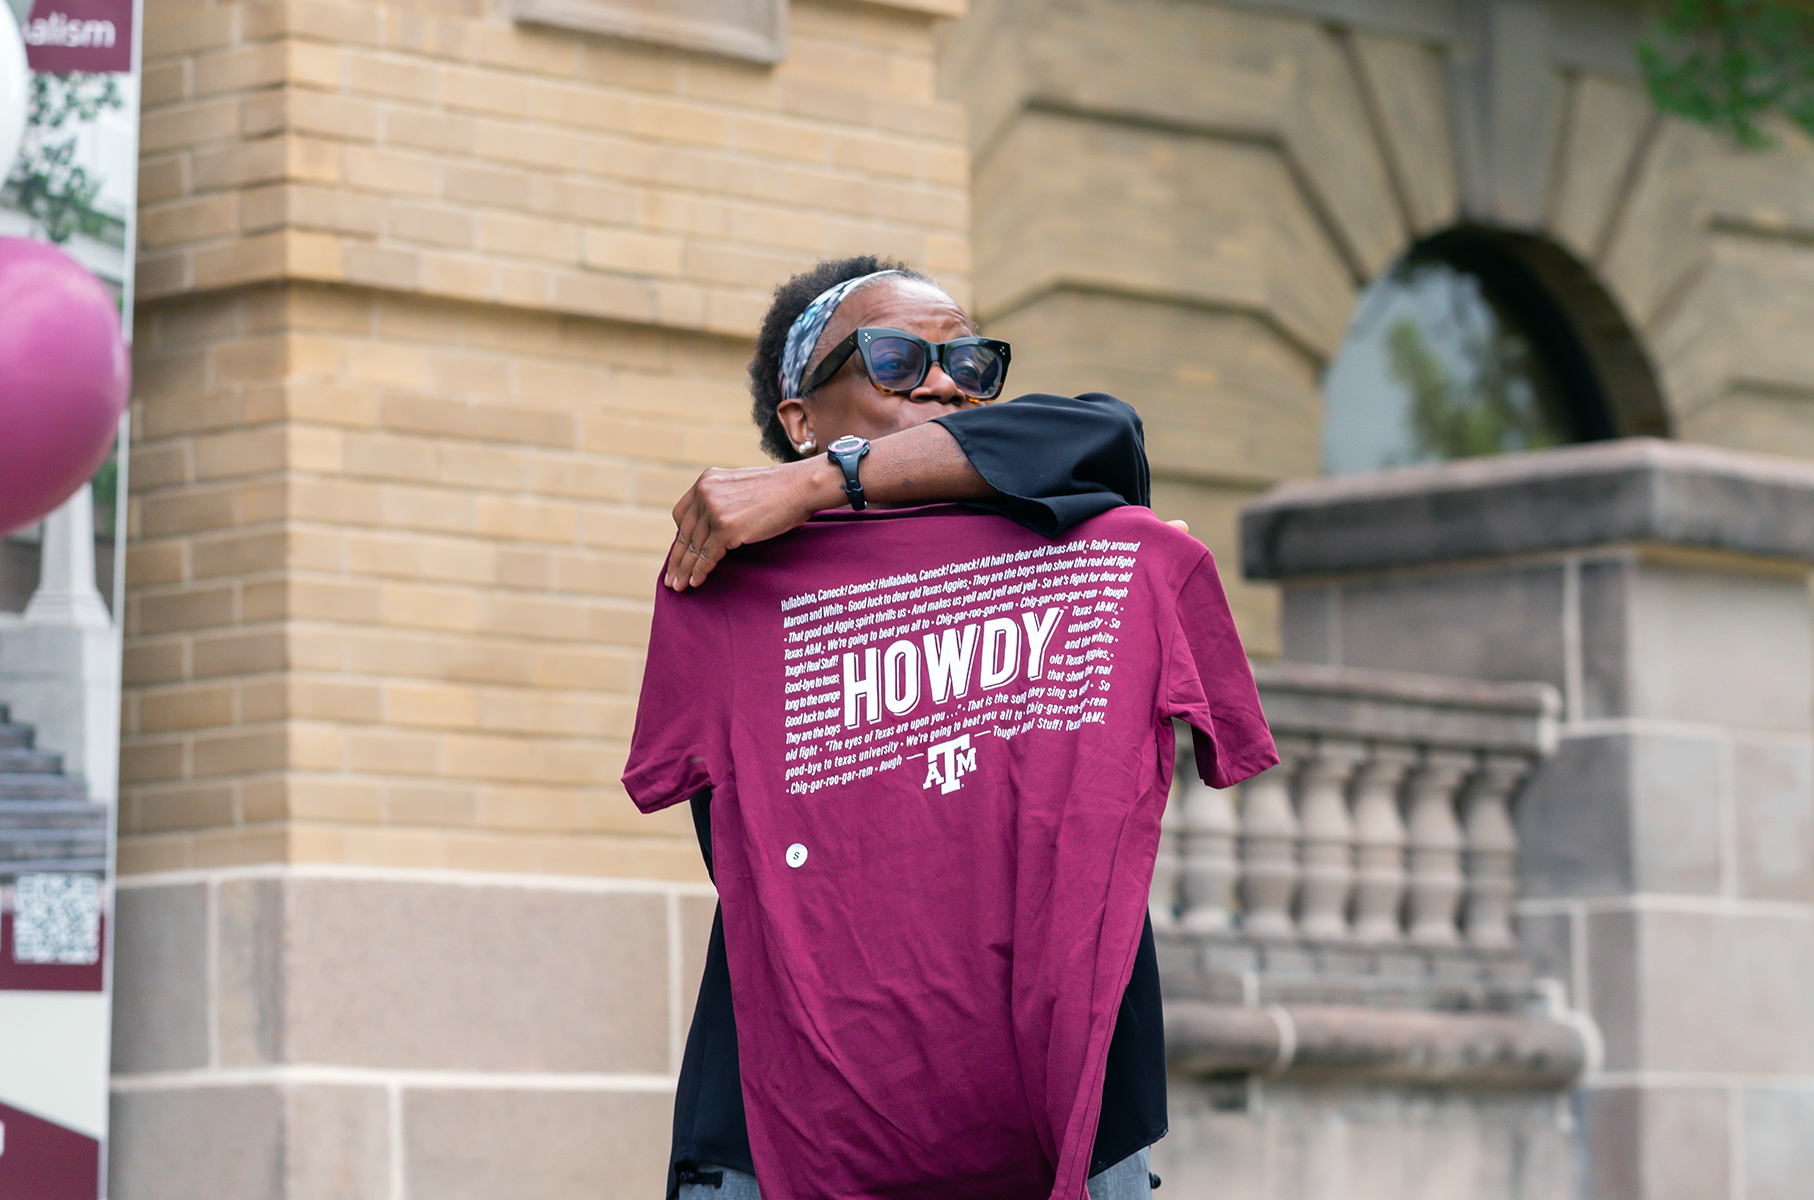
1458, 352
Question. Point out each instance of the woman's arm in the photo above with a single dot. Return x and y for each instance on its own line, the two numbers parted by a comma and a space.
1045, 462
725, 508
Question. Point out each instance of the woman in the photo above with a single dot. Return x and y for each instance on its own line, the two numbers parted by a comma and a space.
1046, 462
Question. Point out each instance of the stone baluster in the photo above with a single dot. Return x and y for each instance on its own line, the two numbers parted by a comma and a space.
1327, 839
1492, 847
1379, 844
1435, 839
1268, 842
1162, 903
1209, 866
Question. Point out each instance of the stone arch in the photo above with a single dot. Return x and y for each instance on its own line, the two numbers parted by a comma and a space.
1521, 131
1601, 375
1180, 200
1573, 297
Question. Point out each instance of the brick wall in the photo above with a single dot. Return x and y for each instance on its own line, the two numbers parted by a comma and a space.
439, 315
435, 148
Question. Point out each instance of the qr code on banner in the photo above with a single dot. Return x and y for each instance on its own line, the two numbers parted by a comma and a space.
57, 919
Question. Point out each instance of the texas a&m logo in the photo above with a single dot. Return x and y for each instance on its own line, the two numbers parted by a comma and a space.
947, 762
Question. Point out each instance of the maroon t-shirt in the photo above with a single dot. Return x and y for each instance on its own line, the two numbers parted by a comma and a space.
939, 746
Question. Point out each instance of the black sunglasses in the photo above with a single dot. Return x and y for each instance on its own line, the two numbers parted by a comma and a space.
899, 362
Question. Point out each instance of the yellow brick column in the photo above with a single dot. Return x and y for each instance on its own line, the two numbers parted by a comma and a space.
438, 315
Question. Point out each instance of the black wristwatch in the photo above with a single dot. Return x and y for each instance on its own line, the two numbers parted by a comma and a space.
847, 452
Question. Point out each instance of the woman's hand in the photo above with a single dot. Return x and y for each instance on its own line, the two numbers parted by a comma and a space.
726, 508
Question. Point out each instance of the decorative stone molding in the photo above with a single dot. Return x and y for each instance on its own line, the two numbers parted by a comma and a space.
1631, 490
1382, 707
752, 29
1473, 1050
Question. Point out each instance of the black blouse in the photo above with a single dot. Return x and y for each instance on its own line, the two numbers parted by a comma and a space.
1057, 461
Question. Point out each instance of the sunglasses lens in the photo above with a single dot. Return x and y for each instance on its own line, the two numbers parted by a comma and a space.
896, 363
978, 371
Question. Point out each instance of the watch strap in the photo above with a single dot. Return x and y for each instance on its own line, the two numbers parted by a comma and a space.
848, 452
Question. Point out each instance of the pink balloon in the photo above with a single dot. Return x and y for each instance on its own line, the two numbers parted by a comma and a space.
64, 377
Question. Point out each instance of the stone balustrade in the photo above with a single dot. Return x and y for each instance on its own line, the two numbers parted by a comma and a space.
1378, 859
1348, 914
60, 658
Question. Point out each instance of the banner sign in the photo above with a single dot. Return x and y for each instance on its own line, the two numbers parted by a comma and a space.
79, 35
72, 182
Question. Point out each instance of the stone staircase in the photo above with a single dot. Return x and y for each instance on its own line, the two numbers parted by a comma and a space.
47, 821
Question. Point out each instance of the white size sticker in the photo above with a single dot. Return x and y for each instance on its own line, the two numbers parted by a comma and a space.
796, 855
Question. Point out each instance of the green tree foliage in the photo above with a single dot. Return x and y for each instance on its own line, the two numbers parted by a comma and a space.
47, 183
106, 491
1487, 398
1729, 63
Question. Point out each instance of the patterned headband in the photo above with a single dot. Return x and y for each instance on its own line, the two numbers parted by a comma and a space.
803, 335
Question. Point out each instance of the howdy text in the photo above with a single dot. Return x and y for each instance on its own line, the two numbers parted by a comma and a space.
942, 663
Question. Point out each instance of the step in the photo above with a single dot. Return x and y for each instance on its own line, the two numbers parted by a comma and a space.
15, 737
20, 840
12, 829
16, 761
41, 787
35, 845
76, 864
72, 859
32, 856
51, 814
54, 807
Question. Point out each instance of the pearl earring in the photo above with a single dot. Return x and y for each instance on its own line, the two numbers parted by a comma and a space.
805, 447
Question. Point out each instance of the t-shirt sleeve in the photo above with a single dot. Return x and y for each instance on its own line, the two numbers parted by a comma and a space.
1056, 460
1210, 685
680, 743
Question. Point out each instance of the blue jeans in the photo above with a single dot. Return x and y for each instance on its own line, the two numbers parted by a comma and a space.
1126, 1180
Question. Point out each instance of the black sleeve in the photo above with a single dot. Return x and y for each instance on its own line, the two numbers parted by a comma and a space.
701, 803
1056, 460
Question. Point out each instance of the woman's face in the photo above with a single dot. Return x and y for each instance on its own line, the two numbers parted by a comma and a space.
848, 402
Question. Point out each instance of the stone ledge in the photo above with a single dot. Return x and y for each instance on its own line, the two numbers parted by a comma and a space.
1353, 1045
302, 256
931, 8
305, 969
740, 30
1311, 700
1229, 967
1632, 490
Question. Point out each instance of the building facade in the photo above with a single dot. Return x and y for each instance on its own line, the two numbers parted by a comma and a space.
442, 303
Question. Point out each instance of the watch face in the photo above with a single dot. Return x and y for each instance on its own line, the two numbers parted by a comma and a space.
847, 444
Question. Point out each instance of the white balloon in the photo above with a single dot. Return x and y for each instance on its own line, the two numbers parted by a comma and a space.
15, 88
